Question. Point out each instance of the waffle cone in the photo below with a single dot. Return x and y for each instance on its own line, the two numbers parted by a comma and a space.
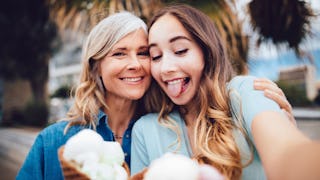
140, 175
69, 169
71, 172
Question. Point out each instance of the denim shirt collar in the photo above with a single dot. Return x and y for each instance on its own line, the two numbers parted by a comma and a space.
102, 118
105, 131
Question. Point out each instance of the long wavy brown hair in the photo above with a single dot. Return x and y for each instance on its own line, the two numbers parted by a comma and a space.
213, 134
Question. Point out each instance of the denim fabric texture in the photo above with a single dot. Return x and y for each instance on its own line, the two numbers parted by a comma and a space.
42, 161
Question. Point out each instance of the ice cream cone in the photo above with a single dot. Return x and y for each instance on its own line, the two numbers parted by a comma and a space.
140, 175
71, 172
69, 169
126, 167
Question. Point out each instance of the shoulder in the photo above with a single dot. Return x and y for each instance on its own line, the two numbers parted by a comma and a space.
55, 133
151, 120
53, 129
146, 120
241, 82
247, 102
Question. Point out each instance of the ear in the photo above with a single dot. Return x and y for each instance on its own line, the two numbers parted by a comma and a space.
140, 175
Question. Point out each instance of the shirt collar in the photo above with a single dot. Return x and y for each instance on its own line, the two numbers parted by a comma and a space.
103, 116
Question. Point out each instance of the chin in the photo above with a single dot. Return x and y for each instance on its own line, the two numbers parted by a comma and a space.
179, 101
136, 96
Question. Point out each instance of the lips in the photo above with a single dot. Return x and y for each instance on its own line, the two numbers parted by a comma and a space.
177, 86
132, 79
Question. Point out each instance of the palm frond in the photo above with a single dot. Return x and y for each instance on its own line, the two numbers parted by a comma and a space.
282, 21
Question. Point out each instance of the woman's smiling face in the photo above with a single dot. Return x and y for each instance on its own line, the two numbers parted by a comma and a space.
125, 70
176, 59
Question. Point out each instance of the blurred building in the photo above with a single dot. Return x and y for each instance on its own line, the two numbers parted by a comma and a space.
65, 66
64, 70
303, 75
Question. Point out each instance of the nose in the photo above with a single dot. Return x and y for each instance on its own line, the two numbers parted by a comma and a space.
167, 65
134, 63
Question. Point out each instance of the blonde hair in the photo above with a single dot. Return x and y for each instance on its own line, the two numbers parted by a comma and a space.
90, 93
213, 133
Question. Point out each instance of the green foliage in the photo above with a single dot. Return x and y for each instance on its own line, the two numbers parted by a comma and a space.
27, 35
62, 92
28, 38
281, 21
296, 94
35, 114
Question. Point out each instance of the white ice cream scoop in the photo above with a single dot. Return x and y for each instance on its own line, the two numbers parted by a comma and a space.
84, 142
96, 158
179, 167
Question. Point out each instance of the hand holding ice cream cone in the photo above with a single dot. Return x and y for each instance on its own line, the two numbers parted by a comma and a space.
87, 156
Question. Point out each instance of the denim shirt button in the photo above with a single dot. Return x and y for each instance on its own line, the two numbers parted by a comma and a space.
125, 154
127, 136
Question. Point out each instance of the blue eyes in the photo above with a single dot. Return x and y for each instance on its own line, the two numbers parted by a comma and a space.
143, 53
118, 54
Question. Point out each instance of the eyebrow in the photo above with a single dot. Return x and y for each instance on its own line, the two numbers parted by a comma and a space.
178, 38
172, 40
144, 47
124, 48
117, 49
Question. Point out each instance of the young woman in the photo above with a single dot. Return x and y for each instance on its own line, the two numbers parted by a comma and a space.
205, 112
115, 75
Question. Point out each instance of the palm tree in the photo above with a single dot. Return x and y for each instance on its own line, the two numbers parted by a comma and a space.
29, 36
283, 21
81, 16
230, 29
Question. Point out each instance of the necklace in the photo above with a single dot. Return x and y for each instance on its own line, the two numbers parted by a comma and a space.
117, 136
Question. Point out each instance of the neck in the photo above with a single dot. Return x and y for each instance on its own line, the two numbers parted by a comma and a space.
190, 114
120, 113
190, 118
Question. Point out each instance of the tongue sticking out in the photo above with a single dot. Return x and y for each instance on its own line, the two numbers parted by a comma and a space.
175, 89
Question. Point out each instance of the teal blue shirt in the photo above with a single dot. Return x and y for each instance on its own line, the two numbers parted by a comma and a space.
42, 161
150, 140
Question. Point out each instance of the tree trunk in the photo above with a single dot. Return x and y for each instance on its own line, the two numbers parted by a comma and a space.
39, 81
37, 111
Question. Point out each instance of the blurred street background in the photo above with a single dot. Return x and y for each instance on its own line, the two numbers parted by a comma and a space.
40, 57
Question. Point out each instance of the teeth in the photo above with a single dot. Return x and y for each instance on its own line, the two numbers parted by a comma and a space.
132, 79
175, 81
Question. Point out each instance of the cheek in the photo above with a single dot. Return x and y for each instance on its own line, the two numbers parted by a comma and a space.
199, 72
155, 71
146, 66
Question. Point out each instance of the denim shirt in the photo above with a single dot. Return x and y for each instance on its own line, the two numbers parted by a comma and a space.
42, 161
